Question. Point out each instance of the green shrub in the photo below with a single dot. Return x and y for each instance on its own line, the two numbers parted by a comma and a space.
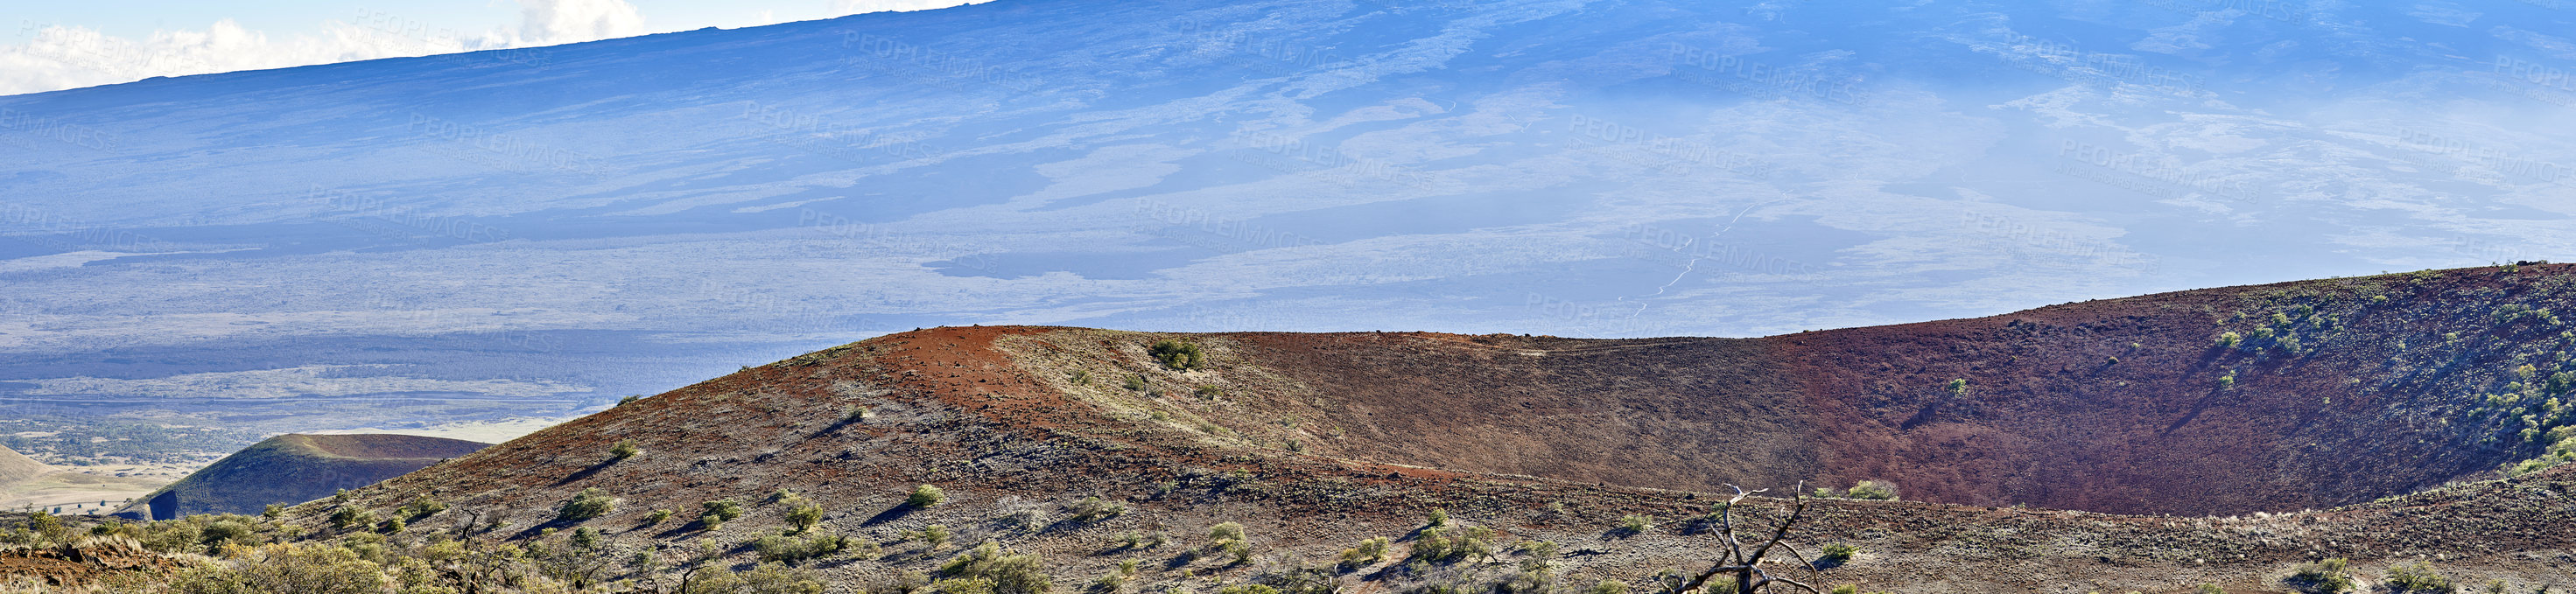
1210, 393
1368, 553
1247, 589
348, 517
1095, 508
1135, 383
935, 535
792, 550
419, 508
1438, 518
1081, 378
1835, 554
2331, 576
1608, 587
2408, 578
1179, 355
624, 449
713, 514
775, 578
1958, 387
1875, 490
925, 496
2227, 382
1437, 545
658, 517
802, 515
589, 503
1635, 524
1010, 574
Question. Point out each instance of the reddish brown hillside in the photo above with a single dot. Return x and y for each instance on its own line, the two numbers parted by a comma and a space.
2360, 389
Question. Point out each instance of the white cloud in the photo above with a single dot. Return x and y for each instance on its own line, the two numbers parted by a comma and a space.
57, 57
63, 57
549, 22
848, 7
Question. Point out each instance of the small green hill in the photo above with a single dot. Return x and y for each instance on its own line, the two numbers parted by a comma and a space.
295, 468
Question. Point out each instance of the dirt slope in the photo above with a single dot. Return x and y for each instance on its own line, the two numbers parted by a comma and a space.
294, 468
17, 468
2361, 389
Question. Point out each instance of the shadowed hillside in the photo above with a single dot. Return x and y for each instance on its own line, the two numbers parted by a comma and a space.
2330, 392
294, 468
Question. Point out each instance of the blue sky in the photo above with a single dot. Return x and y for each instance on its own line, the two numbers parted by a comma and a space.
62, 45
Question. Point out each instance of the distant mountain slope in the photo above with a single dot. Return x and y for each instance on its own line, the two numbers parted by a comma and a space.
2359, 392
18, 468
543, 230
295, 468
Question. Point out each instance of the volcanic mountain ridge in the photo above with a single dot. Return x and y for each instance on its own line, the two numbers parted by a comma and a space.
2399, 398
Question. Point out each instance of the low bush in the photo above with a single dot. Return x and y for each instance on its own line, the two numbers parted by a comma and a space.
1010, 574
1369, 552
2411, 578
713, 514
792, 550
1876, 490
1095, 508
624, 449
2331, 576
1835, 555
925, 496
1635, 524
1179, 355
589, 503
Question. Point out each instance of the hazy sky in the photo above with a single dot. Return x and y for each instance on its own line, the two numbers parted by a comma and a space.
62, 45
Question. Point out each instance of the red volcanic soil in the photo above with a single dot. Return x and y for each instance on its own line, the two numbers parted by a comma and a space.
2112, 406
2337, 392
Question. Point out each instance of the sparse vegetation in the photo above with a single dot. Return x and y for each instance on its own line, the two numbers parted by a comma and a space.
925, 496
1179, 355
1095, 508
1835, 554
589, 503
792, 550
1635, 524
1004, 572
713, 514
2414, 578
1369, 552
2331, 576
1874, 490
624, 449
